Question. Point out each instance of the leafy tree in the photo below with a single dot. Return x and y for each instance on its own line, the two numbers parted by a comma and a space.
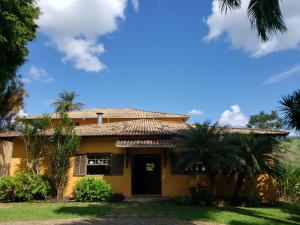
251, 155
266, 121
264, 15
290, 107
17, 28
203, 144
65, 102
34, 135
64, 143
11, 102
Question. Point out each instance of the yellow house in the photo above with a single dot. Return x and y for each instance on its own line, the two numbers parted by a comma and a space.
132, 150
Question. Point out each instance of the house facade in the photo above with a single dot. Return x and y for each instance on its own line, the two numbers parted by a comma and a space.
133, 150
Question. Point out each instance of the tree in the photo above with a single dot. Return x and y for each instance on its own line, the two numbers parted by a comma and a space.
266, 121
11, 102
264, 15
203, 144
63, 144
65, 102
17, 27
290, 107
34, 135
251, 155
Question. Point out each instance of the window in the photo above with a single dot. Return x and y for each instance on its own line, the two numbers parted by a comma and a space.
99, 164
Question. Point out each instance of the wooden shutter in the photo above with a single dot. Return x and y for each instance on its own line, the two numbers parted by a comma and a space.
117, 164
80, 165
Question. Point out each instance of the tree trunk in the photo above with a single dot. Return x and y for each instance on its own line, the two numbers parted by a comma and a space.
238, 185
60, 194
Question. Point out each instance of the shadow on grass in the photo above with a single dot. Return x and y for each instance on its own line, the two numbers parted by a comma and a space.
91, 210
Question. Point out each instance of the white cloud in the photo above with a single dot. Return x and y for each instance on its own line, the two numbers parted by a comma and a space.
233, 117
136, 5
37, 74
284, 75
236, 26
22, 113
195, 112
74, 27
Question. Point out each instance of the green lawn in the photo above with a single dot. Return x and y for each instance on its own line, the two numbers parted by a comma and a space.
284, 214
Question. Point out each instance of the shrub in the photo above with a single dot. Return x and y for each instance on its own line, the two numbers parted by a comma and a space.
24, 187
200, 195
7, 186
91, 189
290, 183
116, 197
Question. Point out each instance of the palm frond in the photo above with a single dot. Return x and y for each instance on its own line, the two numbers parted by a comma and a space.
229, 4
266, 17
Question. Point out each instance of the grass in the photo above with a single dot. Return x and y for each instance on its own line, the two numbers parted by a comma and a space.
283, 214
291, 151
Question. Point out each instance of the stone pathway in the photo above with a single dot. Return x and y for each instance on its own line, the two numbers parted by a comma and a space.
137, 221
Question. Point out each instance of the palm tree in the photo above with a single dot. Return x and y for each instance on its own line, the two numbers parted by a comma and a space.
65, 102
290, 106
264, 15
251, 155
202, 144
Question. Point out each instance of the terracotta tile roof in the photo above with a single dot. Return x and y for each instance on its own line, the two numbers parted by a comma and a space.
144, 127
140, 143
116, 113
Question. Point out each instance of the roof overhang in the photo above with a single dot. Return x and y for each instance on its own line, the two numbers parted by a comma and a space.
145, 143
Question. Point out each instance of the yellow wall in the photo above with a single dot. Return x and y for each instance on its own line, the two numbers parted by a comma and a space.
172, 185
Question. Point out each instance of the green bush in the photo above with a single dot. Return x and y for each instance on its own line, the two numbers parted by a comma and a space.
24, 187
7, 187
91, 189
200, 195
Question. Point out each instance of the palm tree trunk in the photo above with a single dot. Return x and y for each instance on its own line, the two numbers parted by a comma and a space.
238, 186
212, 184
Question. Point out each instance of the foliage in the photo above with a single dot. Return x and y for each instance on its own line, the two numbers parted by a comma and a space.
24, 187
18, 27
12, 94
65, 102
251, 155
266, 121
36, 141
63, 144
290, 107
290, 183
90, 189
200, 195
247, 199
7, 185
203, 144
264, 15
116, 197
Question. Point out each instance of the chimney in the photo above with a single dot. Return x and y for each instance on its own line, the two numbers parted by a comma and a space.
99, 119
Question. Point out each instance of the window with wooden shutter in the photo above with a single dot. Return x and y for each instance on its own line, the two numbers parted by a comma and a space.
117, 164
80, 162
99, 163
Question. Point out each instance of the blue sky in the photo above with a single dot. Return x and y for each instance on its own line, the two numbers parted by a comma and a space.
160, 55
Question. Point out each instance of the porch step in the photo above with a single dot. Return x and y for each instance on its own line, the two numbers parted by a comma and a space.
147, 198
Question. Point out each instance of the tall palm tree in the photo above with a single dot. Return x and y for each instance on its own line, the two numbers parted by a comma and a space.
290, 106
202, 144
264, 15
251, 155
65, 102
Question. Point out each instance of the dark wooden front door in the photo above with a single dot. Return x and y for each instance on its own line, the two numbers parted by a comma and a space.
146, 175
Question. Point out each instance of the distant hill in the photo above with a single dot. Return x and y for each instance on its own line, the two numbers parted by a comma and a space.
290, 151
